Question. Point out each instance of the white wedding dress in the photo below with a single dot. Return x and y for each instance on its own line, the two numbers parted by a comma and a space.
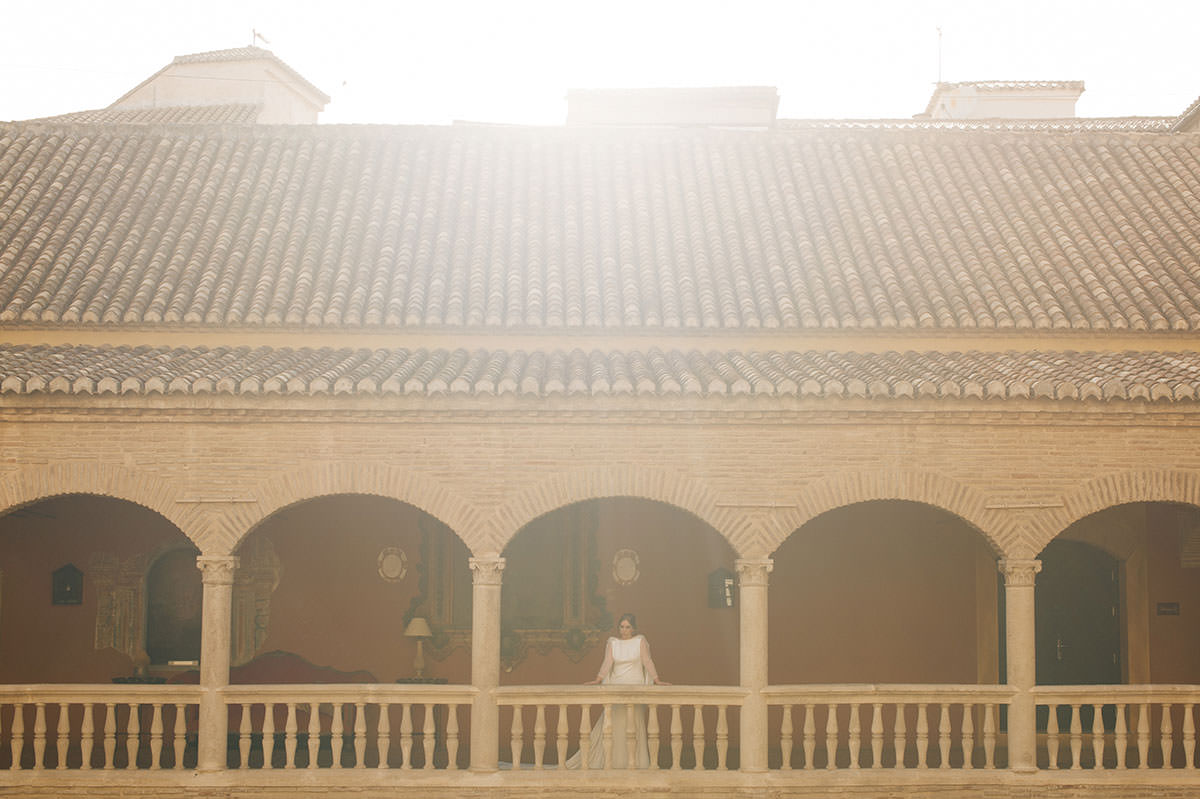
626, 662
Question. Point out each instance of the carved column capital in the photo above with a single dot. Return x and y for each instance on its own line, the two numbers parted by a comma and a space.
217, 569
753, 571
486, 571
1019, 572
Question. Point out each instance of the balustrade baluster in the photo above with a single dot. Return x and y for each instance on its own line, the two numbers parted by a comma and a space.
785, 738
179, 728
62, 734
406, 737
337, 736
244, 737
810, 735
831, 736
944, 736
156, 735
608, 736
900, 736
560, 736
110, 735
1189, 737
16, 743
452, 737
268, 735
360, 735
290, 727
133, 735
87, 731
314, 734
676, 738
722, 737
922, 735
1166, 739
428, 735
539, 737
877, 735
1122, 736
698, 736
1143, 735
517, 740
39, 737
854, 735
630, 736
585, 737
989, 736
1076, 737
1052, 735
968, 735
383, 735
652, 734
1097, 736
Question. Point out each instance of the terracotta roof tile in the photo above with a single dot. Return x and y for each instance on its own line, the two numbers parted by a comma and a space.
225, 114
509, 229
1153, 376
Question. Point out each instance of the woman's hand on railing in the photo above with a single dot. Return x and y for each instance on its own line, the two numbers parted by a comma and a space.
593, 682
657, 681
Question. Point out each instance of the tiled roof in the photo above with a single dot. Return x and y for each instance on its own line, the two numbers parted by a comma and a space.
1015, 85
542, 229
1120, 124
227, 114
1156, 376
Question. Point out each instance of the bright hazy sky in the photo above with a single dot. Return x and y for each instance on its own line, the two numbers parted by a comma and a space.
513, 60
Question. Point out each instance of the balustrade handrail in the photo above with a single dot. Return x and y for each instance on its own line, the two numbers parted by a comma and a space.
614, 694
122, 693
883, 692
1112, 694
368, 693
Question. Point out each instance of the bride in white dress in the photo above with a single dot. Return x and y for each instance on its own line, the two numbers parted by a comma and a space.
626, 662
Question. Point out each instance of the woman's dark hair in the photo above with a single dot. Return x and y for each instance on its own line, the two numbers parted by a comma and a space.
629, 617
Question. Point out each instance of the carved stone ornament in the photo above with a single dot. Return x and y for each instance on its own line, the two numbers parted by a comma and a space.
486, 571
217, 569
625, 567
754, 571
1020, 572
393, 564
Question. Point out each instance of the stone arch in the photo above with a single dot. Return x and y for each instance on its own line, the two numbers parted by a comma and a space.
927, 488
1122, 488
117, 482
567, 488
426, 495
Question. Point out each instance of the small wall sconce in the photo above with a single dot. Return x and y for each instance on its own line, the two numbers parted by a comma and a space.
419, 628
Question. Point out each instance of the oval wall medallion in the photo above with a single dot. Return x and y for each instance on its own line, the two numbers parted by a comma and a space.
393, 564
625, 566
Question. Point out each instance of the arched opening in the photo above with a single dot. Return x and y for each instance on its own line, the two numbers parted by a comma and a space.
326, 591
98, 635
1121, 584
884, 592
572, 572
174, 597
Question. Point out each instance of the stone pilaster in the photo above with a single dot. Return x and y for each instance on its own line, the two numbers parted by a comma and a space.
752, 637
1021, 661
217, 573
486, 576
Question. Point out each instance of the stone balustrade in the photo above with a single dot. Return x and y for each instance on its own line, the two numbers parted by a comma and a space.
83, 727
686, 727
347, 726
887, 726
1117, 727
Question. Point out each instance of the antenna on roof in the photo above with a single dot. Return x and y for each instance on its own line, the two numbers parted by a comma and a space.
255, 37
939, 30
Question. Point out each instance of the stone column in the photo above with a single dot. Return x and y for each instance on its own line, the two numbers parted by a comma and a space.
485, 662
1021, 661
752, 638
216, 620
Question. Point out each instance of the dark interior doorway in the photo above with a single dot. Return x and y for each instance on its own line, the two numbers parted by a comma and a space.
1078, 616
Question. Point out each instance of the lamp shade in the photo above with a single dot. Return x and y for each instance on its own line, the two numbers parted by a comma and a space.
418, 628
